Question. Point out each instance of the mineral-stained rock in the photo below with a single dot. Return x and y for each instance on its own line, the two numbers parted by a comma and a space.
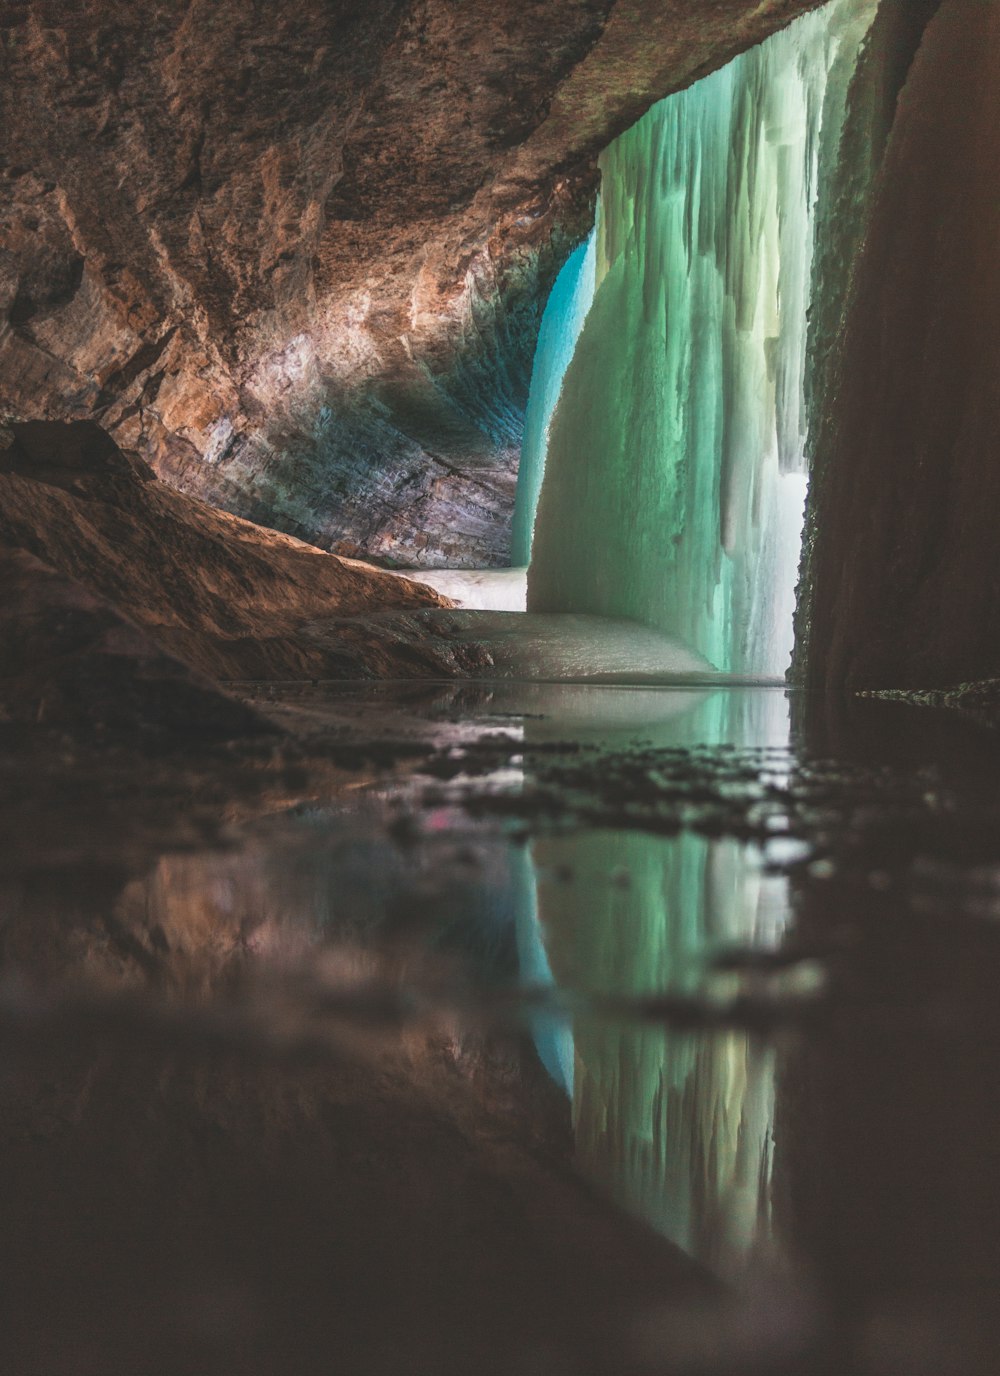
296, 255
228, 598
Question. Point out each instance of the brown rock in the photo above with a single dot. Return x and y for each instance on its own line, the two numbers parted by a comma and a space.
70, 660
228, 598
904, 589
296, 255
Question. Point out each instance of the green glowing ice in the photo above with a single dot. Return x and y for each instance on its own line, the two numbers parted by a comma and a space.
675, 472
565, 312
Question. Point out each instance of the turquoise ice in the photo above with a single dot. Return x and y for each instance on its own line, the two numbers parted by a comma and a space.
675, 471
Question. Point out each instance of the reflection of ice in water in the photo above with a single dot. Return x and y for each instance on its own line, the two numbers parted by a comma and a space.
553, 1037
677, 1128
623, 715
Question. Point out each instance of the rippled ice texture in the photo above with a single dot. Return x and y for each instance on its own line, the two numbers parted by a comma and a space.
675, 474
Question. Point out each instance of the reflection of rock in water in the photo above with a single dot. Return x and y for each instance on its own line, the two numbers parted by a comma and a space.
677, 1127
372, 1196
887, 1124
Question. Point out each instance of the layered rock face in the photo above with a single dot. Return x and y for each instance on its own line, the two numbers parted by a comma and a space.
124, 598
297, 256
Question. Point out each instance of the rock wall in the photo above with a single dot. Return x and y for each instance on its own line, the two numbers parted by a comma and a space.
902, 589
297, 256
164, 575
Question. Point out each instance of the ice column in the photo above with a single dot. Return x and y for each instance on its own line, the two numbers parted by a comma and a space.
565, 312
676, 473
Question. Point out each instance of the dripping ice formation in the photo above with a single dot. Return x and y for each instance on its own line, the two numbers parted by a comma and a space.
565, 312
675, 472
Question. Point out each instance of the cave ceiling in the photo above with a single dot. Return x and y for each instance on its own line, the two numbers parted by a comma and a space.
296, 255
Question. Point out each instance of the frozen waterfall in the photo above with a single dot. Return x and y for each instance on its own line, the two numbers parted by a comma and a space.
675, 473
565, 311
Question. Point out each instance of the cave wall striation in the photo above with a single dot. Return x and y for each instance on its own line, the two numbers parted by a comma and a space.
297, 257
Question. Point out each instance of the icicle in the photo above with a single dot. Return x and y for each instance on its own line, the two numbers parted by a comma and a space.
675, 474
565, 312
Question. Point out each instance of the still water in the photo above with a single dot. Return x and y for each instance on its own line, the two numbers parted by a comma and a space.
751, 941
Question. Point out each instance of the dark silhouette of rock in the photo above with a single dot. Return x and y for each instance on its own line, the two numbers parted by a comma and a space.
68, 659
228, 598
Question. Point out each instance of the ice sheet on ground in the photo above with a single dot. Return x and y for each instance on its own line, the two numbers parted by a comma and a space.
497, 590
